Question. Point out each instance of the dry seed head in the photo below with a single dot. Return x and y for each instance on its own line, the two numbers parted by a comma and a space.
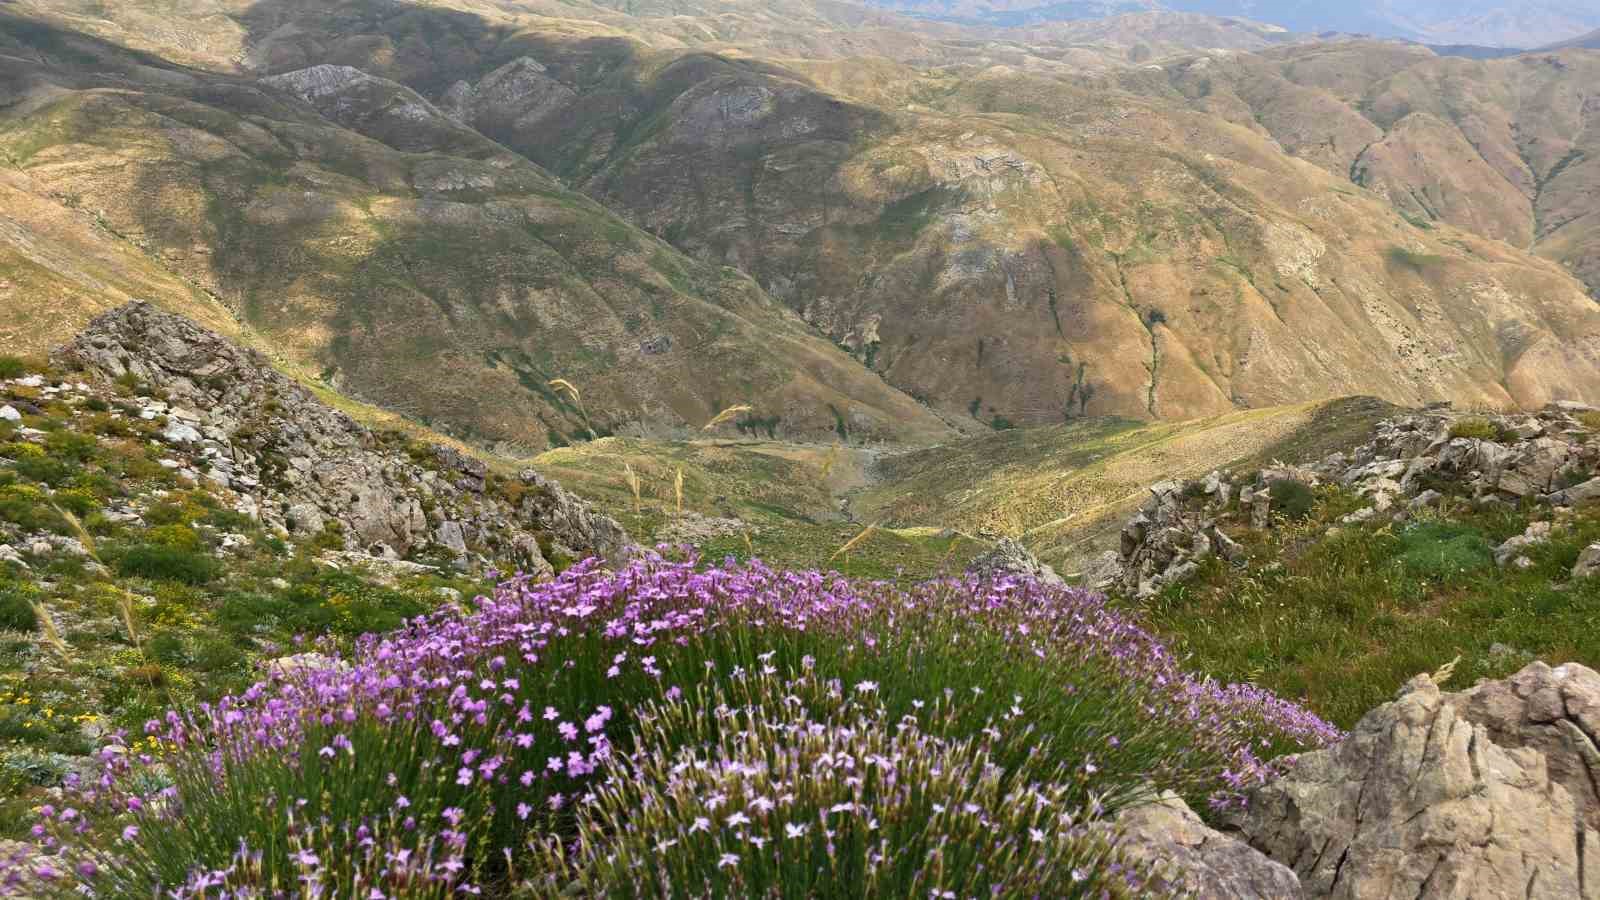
727, 414
854, 542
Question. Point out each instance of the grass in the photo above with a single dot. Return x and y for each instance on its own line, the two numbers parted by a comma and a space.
1343, 620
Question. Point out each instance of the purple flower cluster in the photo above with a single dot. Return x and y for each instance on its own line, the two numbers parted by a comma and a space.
462, 726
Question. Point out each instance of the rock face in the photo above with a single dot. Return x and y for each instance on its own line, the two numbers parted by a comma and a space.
1444, 796
1196, 861
295, 463
1009, 558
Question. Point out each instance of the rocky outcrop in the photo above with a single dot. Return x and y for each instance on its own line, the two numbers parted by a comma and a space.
1010, 559
1445, 796
1193, 860
1174, 532
303, 467
1413, 463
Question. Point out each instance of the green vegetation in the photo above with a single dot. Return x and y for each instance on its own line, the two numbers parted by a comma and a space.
1343, 619
1477, 429
1412, 259
1293, 499
144, 613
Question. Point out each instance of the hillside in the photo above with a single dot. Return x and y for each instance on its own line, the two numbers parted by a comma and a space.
1003, 245
1501, 147
358, 259
1495, 23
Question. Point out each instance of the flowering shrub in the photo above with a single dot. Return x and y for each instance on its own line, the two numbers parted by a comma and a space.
424, 762
762, 787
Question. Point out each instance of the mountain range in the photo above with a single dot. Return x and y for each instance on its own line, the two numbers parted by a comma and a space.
863, 227
1494, 23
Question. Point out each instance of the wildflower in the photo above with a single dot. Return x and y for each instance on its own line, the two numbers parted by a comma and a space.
728, 859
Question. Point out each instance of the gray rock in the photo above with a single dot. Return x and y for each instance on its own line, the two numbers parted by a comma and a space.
1009, 558
450, 536
1555, 711
1588, 563
1103, 572
1419, 801
1194, 860
305, 519
181, 433
8, 413
1537, 533
335, 468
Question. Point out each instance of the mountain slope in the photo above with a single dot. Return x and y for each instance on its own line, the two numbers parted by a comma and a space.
1505, 148
1007, 245
437, 274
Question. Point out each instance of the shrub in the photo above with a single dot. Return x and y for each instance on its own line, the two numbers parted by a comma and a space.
431, 755
1292, 499
1441, 551
16, 612
160, 563
12, 367
1475, 428
71, 446
176, 537
44, 470
28, 508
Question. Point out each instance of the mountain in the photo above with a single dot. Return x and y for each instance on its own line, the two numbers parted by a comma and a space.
442, 213
1483, 22
402, 256
1499, 147
1590, 41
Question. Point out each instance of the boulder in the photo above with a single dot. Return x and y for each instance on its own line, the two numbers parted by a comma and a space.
9, 413
1536, 534
1421, 801
1555, 711
1194, 860
1009, 558
1588, 563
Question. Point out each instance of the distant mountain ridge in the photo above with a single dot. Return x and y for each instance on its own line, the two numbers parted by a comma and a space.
1489, 23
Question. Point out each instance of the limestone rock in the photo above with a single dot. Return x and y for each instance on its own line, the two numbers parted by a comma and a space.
1009, 558
1536, 534
1419, 801
9, 413
1555, 711
1194, 860
297, 463
1588, 563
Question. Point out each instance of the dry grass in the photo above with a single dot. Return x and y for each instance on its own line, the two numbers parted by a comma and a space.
635, 484
854, 542
726, 415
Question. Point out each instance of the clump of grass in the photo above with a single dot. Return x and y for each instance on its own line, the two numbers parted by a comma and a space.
1292, 499
677, 489
1589, 419
1477, 429
1440, 551
737, 786
17, 613
12, 367
159, 562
